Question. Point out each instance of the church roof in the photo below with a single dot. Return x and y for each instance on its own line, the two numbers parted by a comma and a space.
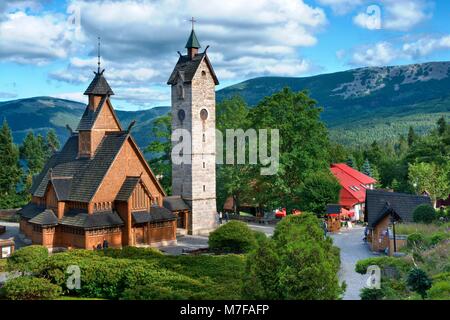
89, 116
87, 173
187, 68
92, 221
99, 85
193, 41
45, 218
156, 214
127, 188
175, 203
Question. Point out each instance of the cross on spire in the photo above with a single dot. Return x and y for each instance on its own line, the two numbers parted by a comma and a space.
192, 20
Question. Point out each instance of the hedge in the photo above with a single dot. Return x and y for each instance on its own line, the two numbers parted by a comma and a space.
28, 259
232, 237
30, 288
400, 264
424, 213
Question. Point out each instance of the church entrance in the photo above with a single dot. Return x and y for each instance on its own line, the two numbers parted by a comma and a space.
139, 235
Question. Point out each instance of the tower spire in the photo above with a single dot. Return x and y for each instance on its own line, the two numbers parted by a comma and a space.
98, 51
192, 45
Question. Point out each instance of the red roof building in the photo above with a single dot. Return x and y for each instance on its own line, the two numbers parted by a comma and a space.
354, 184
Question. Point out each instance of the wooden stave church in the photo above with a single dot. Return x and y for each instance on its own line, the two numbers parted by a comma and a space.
99, 187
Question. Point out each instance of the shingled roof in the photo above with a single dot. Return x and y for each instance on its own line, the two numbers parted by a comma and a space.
86, 181
156, 214
86, 174
30, 210
99, 85
187, 67
62, 187
45, 218
127, 188
91, 221
89, 116
380, 202
175, 203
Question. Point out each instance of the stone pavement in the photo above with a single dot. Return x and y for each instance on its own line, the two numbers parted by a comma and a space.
353, 248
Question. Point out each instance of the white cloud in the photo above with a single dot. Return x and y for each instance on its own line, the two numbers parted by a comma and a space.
74, 96
341, 6
379, 54
426, 46
371, 19
33, 39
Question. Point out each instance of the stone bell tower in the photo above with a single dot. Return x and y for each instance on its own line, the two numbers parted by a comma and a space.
193, 84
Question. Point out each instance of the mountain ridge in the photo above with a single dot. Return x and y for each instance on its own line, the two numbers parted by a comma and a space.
373, 103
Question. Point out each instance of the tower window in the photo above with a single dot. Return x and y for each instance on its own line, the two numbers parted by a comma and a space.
204, 188
204, 114
204, 138
204, 165
203, 73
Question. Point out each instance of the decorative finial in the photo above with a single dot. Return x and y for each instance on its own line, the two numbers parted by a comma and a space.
131, 125
98, 70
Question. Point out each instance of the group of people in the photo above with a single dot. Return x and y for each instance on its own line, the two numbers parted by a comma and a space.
103, 245
223, 216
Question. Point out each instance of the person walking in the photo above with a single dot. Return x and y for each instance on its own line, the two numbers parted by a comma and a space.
220, 217
227, 217
105, 244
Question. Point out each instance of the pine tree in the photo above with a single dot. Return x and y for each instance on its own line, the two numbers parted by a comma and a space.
10, 171
442, 126
411, 136
366, 169
34, 151
351, 162
53, 143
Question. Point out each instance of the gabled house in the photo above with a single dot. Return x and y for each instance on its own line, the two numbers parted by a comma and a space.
98, 188
353, 188
383, 208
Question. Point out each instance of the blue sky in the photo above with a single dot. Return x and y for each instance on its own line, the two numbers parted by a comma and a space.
49, 47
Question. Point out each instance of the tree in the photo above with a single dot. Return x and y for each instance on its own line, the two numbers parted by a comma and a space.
442, 126
303, 146
160, 149
366, 169
430, 178
34, 151
419, 281
351, 162
318, 190
424, 213
235, 179
412, 137
53, 143
10, 171
297, 263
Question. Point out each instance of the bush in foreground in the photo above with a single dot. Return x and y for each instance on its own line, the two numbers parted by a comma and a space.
424, 213
30, 288
298, 263
371, 294
28, 259
419, 281
232, 237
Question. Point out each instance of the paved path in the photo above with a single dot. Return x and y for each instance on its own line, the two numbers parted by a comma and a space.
12, 231
353, 248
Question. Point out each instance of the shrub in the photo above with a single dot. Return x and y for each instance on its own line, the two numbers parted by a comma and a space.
424, 213
30, 288
416, 240
438, 237
399, 264
232, 237
371, 294
297, 263
439, 291
28, 259
419, 281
